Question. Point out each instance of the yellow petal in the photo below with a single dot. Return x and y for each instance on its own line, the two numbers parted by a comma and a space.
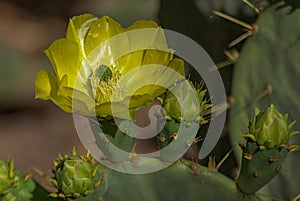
142, 46
46, 86
78, 27
157, 57
101, 30
177, 65
130, 61
142, 24
44, 83
124, 109
105, 109
153, 80
81, 102
65, 59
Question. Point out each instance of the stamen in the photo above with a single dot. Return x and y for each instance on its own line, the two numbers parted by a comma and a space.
103, 73
104, 82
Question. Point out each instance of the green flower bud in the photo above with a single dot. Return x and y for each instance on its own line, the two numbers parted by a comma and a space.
13, 185
74, 176
185, 102
6, 175
270, 128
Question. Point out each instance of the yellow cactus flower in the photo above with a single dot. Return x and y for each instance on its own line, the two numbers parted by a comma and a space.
92, 64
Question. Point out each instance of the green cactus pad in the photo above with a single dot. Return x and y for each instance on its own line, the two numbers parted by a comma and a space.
270, 57
112, 140
168, 131
184, 108
184, 180
175, 138
259, 167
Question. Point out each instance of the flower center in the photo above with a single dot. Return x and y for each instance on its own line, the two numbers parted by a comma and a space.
104, 81
104, 73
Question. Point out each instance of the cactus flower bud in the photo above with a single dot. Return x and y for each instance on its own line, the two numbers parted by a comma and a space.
13, 185
6, 175
74, 176
188, 103
270, 128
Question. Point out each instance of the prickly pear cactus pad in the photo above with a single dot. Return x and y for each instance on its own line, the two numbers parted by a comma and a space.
266, 149
6, 175
13, 185
270, 58
189, 111
111, 138
184, 180
86, 83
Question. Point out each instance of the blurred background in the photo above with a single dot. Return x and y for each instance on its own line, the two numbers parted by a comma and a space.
32, 132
